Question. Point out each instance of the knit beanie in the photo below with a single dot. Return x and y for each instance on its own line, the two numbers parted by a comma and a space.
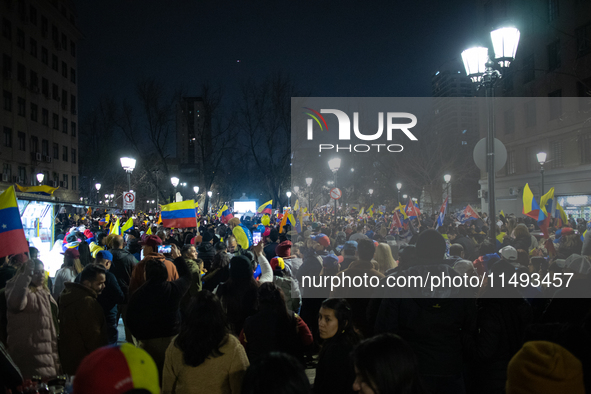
240, 267
431, 245
542, 367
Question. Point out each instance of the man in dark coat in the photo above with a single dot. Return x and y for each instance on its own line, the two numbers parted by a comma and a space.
269, 249
431, 321
205, 250
111, 295
81, 318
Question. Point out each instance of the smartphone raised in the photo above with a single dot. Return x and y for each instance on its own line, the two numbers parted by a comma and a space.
162, 249
256, 237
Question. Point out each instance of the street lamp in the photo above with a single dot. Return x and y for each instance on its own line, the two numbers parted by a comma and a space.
209, 194
40, 177
128, 165
334, 164
405, 196
296, 189
196, 189
447, 178
175, 182
542, 159
288, 193
399, 186
480, 68
98, 187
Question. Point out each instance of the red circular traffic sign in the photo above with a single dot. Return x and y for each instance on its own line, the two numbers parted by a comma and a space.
335, 193
129, 197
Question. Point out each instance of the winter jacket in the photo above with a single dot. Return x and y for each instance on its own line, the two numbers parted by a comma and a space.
6, 273
347, 260
291, 291
294, 265
494, 340
109, 298
269, 250
522, 243
216, 375
311, 267
153, 310
62, 276
430, 321
213, 279
122, 267
82, 325
264, 333
138, 277
206, 252
358, 298
335, 372
32, 328
469, 246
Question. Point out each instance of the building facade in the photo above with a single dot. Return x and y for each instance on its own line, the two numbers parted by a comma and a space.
38, 118
543, 102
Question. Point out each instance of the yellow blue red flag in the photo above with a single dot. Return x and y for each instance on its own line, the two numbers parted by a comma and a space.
12, 235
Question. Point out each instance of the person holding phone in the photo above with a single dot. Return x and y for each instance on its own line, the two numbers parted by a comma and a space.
150, 248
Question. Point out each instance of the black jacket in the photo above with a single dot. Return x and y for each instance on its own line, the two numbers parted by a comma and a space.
470, 252
431, 322
110, 297
212, 279
494, 340
269, 250
335, 372
122, 266
206, 252
153, 310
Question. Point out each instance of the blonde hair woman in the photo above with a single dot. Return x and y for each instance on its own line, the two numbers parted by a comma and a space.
70, 269
384, 258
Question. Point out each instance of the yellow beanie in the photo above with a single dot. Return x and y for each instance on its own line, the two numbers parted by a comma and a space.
541, 367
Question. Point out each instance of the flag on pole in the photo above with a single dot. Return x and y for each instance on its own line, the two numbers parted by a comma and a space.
411, 209
266, 207
545, 214
530, 206
179, 214
115, 228
560, 215
12, 235
42, 190
225, 214
468, 214
296, 207
283, 222
442, 212
396, 220
127, 225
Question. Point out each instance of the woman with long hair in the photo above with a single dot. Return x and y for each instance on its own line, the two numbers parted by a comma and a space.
70, 269
32, 322
204, 357
274, 328
334, 372
386, 364
384, 258
238, 294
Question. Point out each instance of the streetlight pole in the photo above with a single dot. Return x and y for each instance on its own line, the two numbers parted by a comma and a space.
309, 183
128, 165
288, 194
334, 165
447, 179
175, 182
98, 188
209, 193
480, 68
399, 186
542, 159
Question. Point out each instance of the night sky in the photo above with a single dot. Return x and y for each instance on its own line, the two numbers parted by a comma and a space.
330, 48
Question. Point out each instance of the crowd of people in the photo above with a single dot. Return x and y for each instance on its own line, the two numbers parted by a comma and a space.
206, 310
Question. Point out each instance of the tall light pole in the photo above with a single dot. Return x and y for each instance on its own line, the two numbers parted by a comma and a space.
196, 191
209, 193
309, 184
399, 186
175, 182
40, 177
128, 165
334, 165
542, 159
98, 188
480, 68
288, 194
447, 179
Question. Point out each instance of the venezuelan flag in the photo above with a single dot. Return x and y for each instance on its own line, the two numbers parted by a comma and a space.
115, 229
530, 206
42, 190
266, 208
179, 214
12, 235
560, 215
225, 214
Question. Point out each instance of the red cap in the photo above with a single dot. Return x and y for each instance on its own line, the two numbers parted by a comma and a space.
72, 253
152, 241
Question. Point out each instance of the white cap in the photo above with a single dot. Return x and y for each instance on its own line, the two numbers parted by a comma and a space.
578, 264
509, 253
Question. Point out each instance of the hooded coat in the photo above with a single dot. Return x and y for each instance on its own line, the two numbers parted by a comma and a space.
82, 325
206, 252
122, 267
32, 331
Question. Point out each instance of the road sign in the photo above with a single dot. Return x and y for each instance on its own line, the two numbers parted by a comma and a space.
335, 193
129, 200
